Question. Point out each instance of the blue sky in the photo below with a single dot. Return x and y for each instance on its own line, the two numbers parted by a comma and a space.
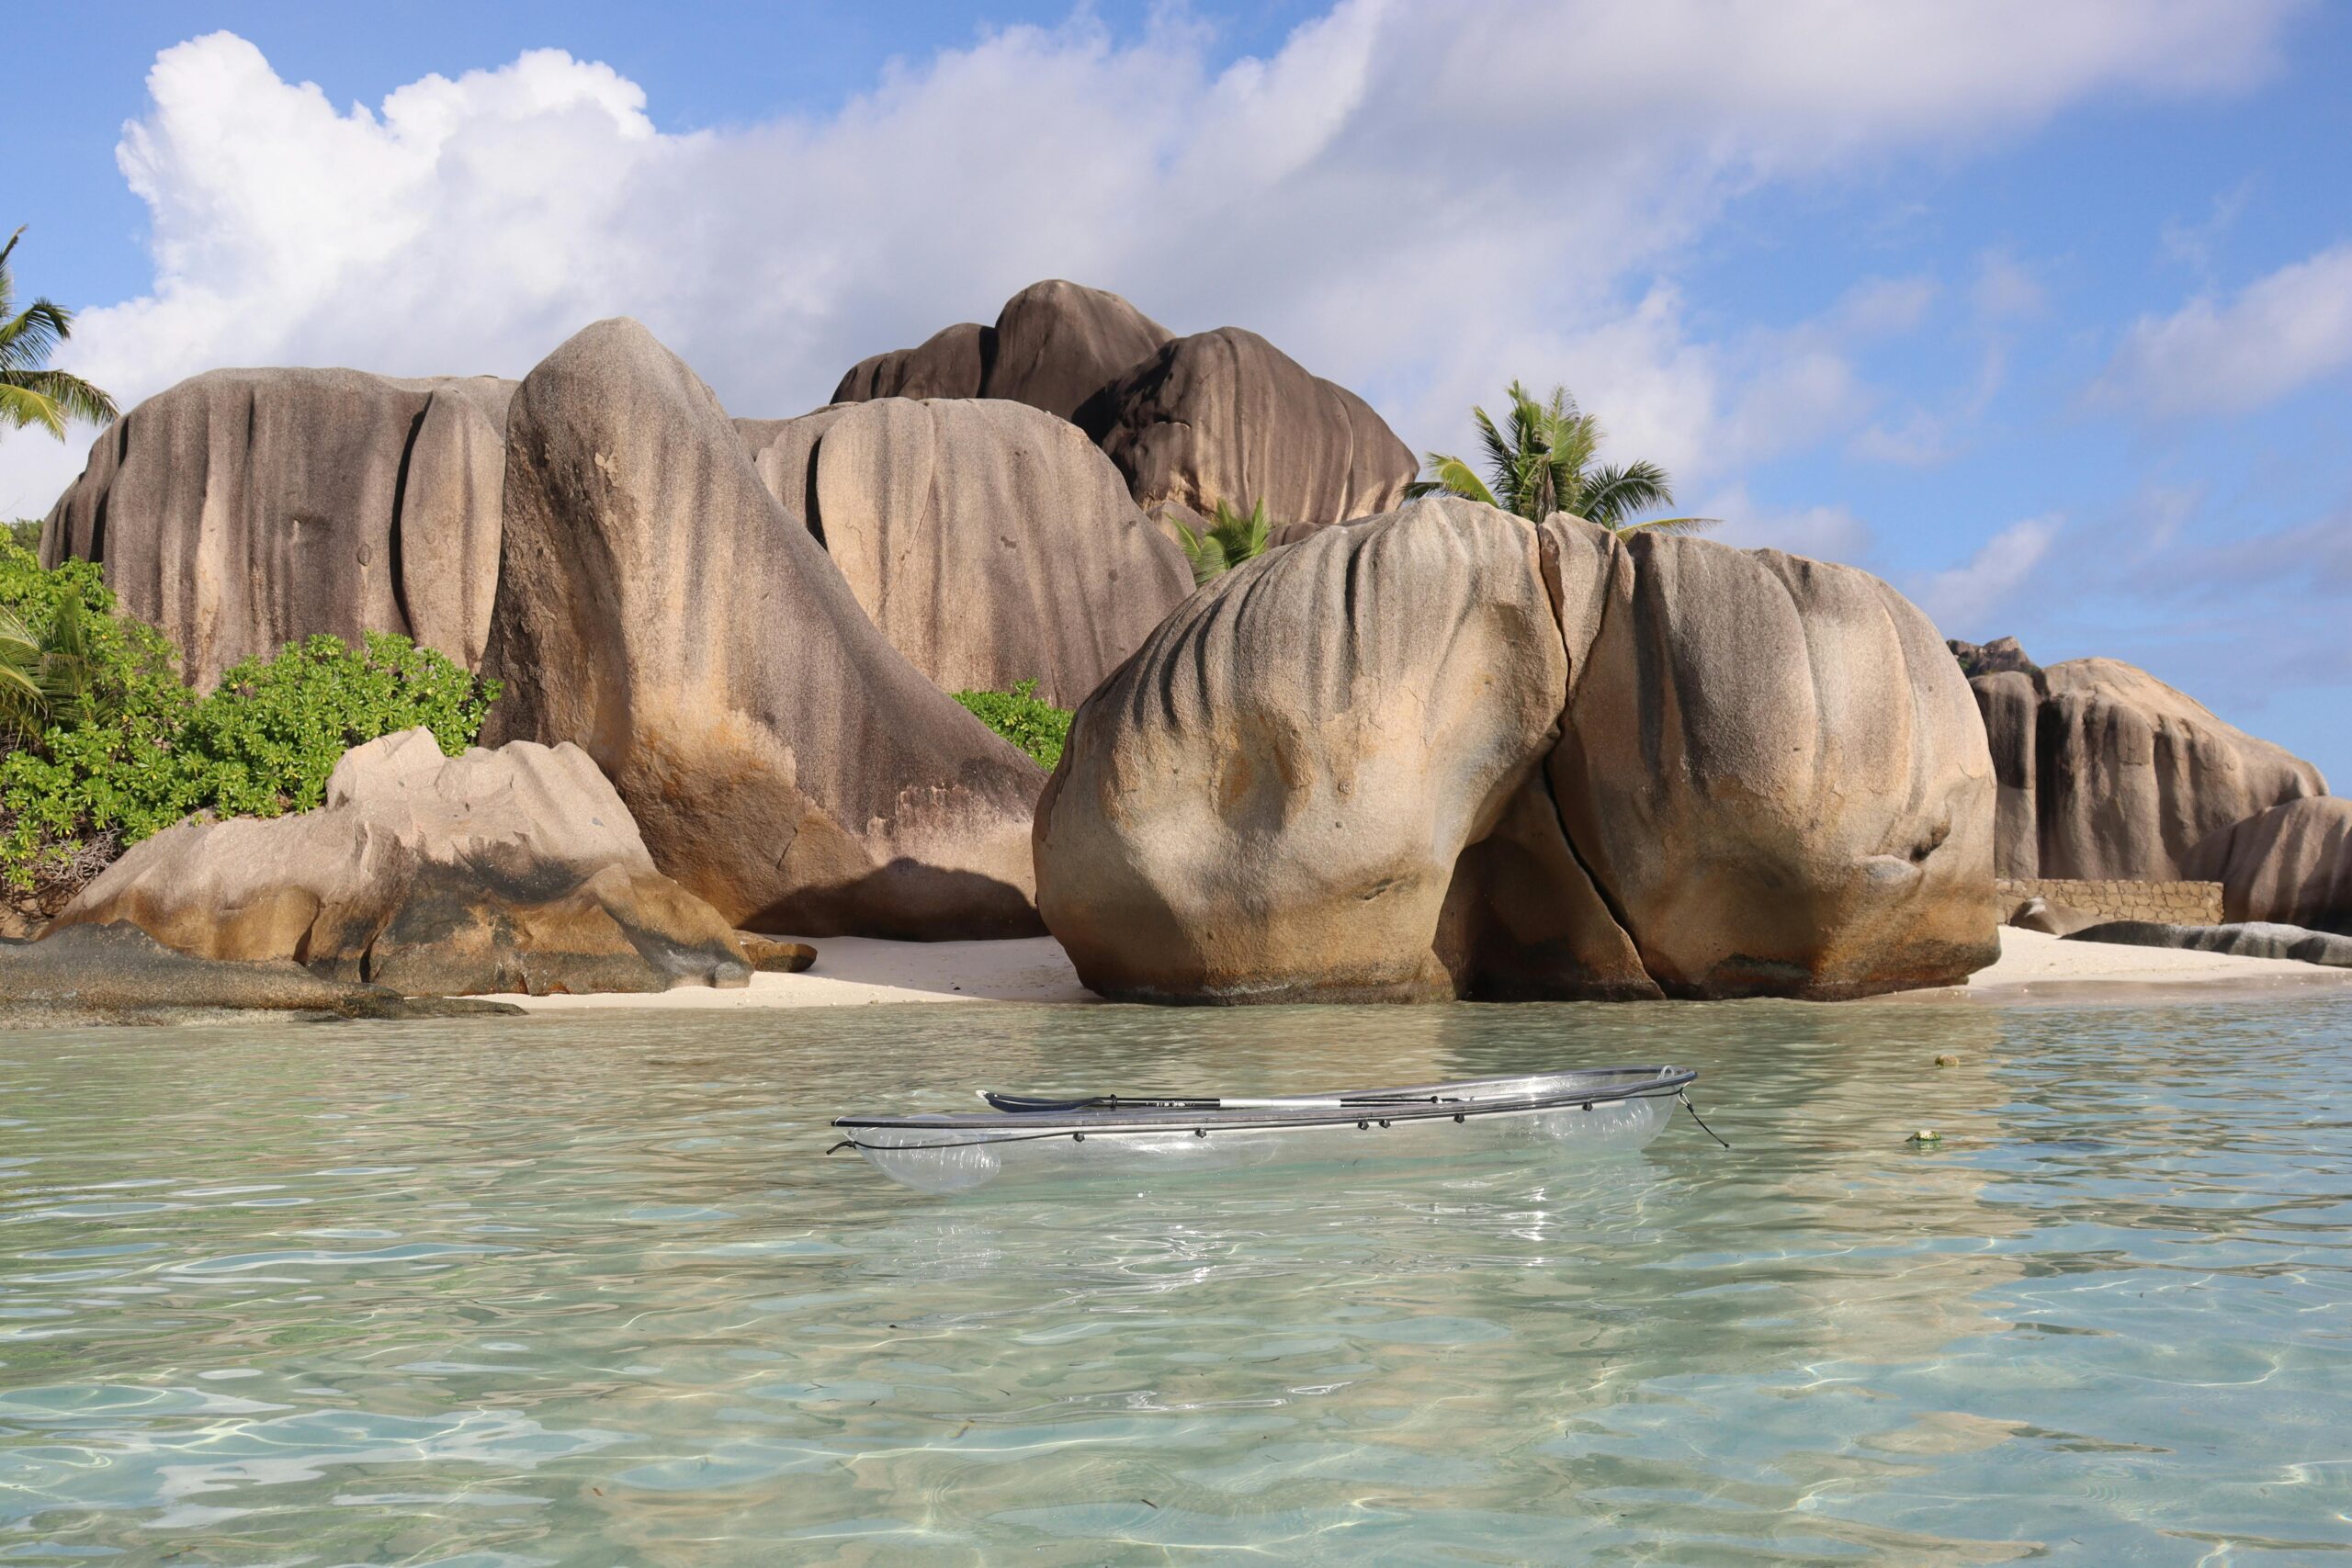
2044, 314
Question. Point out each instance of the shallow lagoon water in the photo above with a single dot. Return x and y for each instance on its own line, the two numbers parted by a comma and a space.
586, 1290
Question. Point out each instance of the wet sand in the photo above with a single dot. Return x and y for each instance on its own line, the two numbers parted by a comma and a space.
864, 972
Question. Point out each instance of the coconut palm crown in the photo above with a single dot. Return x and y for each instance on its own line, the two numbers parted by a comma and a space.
1541, 459
31, 393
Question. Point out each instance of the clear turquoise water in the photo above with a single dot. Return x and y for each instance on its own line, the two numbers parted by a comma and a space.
587, 1292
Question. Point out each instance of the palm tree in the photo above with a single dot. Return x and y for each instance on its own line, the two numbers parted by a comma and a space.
42, 675
1228, 541
31, 394
1544, 463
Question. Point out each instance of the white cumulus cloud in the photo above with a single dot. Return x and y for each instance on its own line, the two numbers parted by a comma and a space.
1418, 199
2281, 333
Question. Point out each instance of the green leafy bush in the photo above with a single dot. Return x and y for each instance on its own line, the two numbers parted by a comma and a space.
1037, 728
127, 750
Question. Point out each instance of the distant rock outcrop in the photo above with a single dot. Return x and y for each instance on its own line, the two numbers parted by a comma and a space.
2292, 864
243, 509
513, 870
990, 542
2002, 656
1222, 415
1448, 752
781, 759
2106, 772
1054, 346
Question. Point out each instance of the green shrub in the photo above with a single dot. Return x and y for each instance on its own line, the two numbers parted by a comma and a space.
26, 531
1037, 728
132, 750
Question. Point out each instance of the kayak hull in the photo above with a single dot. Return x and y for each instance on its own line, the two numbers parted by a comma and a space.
1591, 1113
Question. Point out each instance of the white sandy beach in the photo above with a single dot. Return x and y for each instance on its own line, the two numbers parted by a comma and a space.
862, 971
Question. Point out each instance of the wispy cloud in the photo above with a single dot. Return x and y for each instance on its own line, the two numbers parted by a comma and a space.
1968, 599
2277, 336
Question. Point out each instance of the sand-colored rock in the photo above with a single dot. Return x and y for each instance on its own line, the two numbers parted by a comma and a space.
1449, 753
242, 510
661, 609
517, 869
1055, 345
1268, 802
2107, 772
1771, 767
1225, 416
951, 363
989, 541
2292, 864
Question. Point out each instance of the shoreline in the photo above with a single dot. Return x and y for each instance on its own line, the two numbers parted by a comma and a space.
2033, 969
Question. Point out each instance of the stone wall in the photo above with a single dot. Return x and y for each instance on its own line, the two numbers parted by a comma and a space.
2170, 903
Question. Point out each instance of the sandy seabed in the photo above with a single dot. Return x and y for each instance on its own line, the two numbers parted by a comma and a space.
863, 971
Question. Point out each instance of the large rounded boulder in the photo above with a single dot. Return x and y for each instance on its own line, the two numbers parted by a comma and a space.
2108, 773
513, 870
1772, 767
2290, 865
951, 363
1226, 416
658, 607
990, 542
242, 510
1448, 752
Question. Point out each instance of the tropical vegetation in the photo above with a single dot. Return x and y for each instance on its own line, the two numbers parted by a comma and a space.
1543, 458
1022, 717
1228, 541
106, 744
30, 392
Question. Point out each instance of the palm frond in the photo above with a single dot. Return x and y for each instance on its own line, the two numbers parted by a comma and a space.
1614, 495
1451, 476
1241, 538
22, 408
28, 339
1202, 550
68, 394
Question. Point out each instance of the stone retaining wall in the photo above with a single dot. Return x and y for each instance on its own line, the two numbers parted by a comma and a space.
2172, 903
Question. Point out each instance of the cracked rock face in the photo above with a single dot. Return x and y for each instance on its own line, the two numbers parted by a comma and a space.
1448, 753
242, 510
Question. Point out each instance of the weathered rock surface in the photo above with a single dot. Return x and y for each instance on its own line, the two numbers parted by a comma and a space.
2107, 772
989, 541
658, 607
1222, 415
2242, 940
118, 974
770, 957
1059, 345
242, 510
2290, 864
1225, 416
513, 870
2039, 914
1447, 752
951, 363
1055, 345
1770, 767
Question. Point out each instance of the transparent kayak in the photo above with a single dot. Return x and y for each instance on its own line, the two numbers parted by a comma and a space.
1595, 1111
